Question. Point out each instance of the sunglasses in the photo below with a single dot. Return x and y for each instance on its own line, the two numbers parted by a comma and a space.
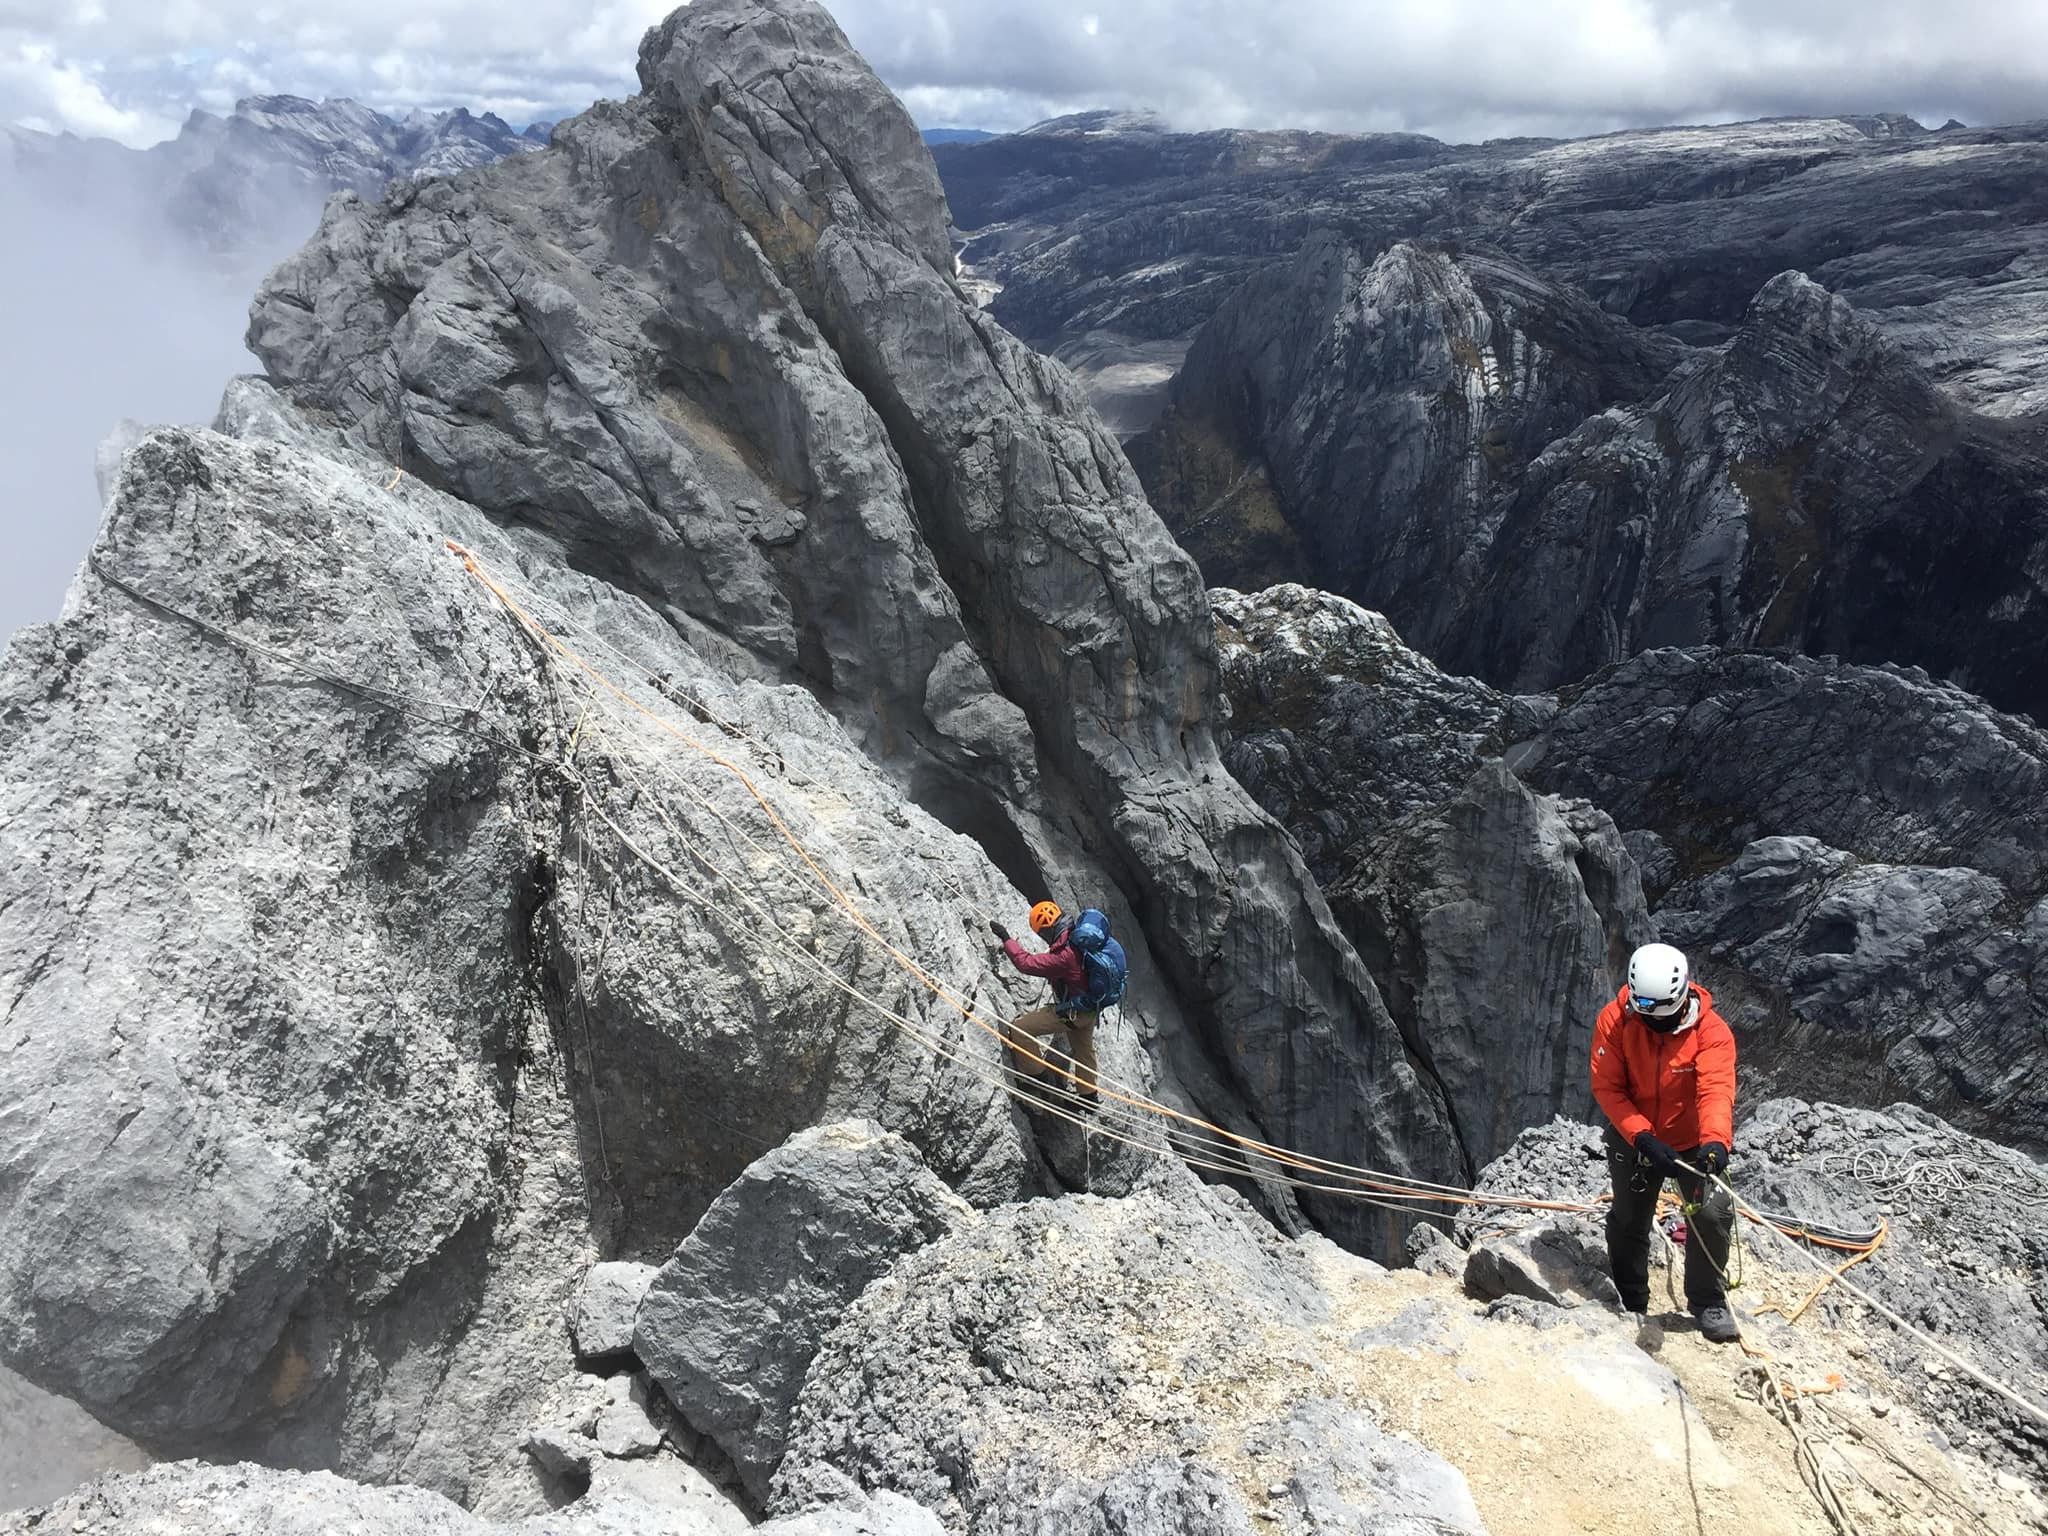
1656, 1007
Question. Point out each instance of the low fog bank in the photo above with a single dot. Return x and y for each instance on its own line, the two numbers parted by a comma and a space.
106, 312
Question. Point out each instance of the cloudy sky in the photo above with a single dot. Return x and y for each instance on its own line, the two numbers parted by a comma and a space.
99, 322
131, 69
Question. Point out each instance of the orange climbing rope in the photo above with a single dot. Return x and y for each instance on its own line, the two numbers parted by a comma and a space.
1883, 1228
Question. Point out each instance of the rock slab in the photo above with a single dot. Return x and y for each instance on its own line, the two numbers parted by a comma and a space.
730, 1324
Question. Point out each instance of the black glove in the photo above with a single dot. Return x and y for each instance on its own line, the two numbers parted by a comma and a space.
1658, 1155
999, 930
1713, 1158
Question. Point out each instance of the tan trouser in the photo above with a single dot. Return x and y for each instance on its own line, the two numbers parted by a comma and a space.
1027, 1031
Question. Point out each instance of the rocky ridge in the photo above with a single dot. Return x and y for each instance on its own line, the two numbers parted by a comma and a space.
1165, 1363
1111, 226
393, 969
1022, 644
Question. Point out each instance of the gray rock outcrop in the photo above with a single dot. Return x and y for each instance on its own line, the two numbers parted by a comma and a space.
730, 1324
375, 969
1165, 1363
350, 1162
1067, 1366
1856, 858
1493, 918
1961, 1257
710, 343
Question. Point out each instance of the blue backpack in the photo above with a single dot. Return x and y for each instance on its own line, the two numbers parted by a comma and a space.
1102, 959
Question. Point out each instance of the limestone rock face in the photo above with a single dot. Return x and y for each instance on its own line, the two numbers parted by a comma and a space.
1855, 856
1495, 464
425, 1004
730, 1324
1165, 1363
710, 346
373, 965
1807, 488
1493, 917
1384, 403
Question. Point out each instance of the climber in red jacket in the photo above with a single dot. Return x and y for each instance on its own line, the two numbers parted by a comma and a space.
1664, 1073
1061, 964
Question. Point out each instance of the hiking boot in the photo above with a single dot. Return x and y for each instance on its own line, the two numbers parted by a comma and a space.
1717, 1325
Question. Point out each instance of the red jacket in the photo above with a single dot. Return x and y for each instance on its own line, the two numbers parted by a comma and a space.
1061, 965
1679, 1087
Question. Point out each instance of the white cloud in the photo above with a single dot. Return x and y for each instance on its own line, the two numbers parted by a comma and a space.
41, 90
130, 69
1460, 67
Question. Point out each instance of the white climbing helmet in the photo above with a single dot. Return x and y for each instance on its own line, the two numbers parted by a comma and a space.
1657, 976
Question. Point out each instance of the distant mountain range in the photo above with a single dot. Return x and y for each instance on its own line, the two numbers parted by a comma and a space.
246, 187
956, 135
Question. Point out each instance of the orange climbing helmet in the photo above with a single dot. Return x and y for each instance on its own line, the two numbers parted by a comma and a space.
1045, 917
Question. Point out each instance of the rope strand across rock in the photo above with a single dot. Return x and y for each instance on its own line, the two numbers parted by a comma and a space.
1196, 1141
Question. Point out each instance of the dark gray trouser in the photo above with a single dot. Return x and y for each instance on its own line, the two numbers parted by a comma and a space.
1707, 1231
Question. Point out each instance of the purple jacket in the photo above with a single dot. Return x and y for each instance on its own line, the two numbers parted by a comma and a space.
1061, 965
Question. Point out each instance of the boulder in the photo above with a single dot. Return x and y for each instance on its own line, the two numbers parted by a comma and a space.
601, 1322
730, 1324
1088, 1365
1560, 1260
